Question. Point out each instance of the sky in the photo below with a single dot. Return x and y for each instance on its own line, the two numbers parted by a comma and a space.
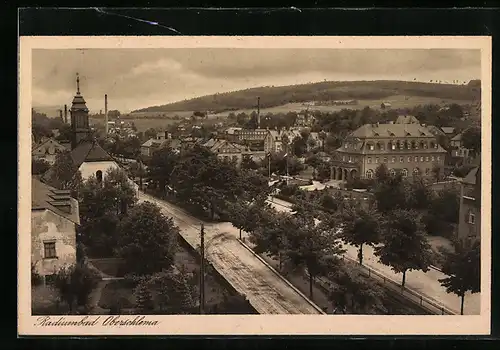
139, 78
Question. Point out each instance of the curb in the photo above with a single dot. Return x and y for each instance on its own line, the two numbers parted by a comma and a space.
282, 278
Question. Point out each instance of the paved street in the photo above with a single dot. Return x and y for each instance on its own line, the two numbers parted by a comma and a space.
425, 283
265, 290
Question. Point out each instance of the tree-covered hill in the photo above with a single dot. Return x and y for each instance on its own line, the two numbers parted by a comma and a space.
271, 96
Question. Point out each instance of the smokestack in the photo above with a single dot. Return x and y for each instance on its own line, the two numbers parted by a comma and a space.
61, 115
106, 113
66, 114
258, 112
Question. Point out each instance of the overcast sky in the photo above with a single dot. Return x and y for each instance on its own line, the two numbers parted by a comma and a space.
137, 78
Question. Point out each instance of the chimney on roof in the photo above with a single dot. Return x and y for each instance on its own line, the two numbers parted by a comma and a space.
66, 114
106, 113
258, 112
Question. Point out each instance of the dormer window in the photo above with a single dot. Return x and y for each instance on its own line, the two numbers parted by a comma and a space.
393, 145
345, 145
371, 147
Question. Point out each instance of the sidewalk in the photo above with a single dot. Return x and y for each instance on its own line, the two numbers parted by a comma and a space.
425, 283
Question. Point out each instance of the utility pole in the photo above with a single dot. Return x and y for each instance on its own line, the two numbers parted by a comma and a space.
202, 270
269, 165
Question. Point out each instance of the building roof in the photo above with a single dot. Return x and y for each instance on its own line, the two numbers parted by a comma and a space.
89, 151
232, 130
407, 119
391, 130
457, 137
79, 103
448, 129
59, 202
473, 176
152, 143
435, 130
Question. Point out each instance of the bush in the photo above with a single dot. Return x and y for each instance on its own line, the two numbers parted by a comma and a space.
75, 283
36, 278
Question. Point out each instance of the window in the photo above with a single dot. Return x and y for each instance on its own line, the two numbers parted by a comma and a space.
416, 159
370, 146
49, 250
432, 144
385, 159
98, 175
438, 158
345, 145
401, 159
392, 172
427, 158
369, 160
412, 145
472, 218
393, 160
343, 158
376, 160
416, 171
421, 159
382, 146
350, 159
409, 159
393, 145
432, 158
369, 174
405, 172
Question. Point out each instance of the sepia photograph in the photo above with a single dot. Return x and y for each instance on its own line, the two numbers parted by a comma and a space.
224, 179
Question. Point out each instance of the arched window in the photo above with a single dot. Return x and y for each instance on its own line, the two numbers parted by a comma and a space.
369, 174
392, 172
424, 145
416, 171
379, 146
404, 172
412, 145
393, 160
371, 147
98, 175
392, 145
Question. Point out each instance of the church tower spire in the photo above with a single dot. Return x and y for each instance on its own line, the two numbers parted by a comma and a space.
79, 117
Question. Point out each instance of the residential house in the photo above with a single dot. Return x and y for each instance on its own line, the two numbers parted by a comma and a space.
410, 149
448, 130
226, 150
232, 134
469, 223
407, 119
458, 151
54, 218
47, 150
304, 120
385, 105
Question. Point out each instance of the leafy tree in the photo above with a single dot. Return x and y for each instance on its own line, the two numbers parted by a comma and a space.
419, 195
144, 297
238, 213
359, 227
312, 247
299, 146
471, 139
36, 278
404, 243
173, 291
463, 267
248, 163
64, 174
150, 133
389, 192
206, 182
147, 240
39, 166
232, 305
75, 283
355, 294
162, 165
270, 237
442, 214
437, 172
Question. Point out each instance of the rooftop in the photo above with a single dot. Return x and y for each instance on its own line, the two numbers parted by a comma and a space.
60, 202
391, 130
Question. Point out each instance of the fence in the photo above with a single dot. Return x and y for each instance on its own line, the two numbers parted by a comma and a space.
425, 302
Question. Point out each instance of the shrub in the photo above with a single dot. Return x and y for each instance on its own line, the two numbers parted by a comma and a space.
36, 278
39, 166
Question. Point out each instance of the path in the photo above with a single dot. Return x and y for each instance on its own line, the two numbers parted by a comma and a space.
264, 288
425, 283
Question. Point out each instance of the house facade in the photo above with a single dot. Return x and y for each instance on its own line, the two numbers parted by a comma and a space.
47, 150
469, 223
410, 149
227, 151
54, 218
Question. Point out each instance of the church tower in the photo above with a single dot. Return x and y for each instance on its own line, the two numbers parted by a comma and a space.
79, 117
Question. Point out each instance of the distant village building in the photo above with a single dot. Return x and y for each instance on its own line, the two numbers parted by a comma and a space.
304, 120
458, 151
407, 119
448, 130
469, 226
385, 105
47, 150
54, 218
226, 150
410, 149
232, 134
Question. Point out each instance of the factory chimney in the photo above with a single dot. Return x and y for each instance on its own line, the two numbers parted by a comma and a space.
106, 113
61, 115
258, 112
66, 114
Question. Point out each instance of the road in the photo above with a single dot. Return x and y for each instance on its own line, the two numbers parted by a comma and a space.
264, 288
425, 283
